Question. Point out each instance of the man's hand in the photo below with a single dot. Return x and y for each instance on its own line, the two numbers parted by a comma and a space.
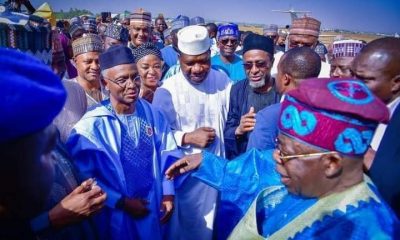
137, 208
167, 206
247, 123
200, 137
184, 165
82, 202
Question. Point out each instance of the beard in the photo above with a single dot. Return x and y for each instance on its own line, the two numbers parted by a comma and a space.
258, 84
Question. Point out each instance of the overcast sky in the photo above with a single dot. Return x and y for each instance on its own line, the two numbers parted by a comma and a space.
359, 15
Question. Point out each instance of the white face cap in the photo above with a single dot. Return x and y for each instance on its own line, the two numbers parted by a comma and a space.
193, 40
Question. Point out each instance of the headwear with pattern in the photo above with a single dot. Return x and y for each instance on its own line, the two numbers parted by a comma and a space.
197, 21
89, 42
347, 48
229, 29
305, 26
180, 22
32, 94
333, 115
114, 56
27, 33
146, 49
117, 32
140, 16
90, 25
271, 29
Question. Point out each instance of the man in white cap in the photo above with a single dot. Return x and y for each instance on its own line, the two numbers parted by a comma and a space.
343, 54
195, 102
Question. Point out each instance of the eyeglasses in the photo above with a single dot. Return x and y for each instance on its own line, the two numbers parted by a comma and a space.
259, 64
227, 40
123, 81
287, 158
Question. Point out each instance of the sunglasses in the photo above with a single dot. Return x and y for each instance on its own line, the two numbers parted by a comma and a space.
227, 40
259, 64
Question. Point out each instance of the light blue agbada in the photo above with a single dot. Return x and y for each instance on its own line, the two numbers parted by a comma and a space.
95, 145
253, 199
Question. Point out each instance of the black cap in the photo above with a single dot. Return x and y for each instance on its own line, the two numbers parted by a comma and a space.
255, 41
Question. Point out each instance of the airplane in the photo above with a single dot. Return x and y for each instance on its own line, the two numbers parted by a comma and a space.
293, 13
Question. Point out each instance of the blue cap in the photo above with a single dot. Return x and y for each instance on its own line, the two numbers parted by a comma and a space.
229, 29
32, 95
179, 22
114, 56
197, 21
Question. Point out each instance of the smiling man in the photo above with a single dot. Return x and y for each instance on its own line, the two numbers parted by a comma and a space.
86, 57
139, 28
196, 102
124, 143
227, 59
315, 189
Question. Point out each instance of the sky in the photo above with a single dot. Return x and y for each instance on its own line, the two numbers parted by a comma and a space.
380, 16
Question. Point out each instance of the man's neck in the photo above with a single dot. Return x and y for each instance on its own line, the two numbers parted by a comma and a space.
351, 179
228, 59
122, 108
88, 85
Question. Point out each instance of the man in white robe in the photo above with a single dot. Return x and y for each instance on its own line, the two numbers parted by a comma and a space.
124, 143
196, 103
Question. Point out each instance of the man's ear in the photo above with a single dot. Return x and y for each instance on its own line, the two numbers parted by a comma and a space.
287, 79
333, 164
396, 84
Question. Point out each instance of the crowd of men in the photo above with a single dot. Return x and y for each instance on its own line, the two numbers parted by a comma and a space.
127, 128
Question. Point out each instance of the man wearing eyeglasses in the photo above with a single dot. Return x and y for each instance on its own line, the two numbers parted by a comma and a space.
251, 95
124, 143
315, 188
227, 59
304, 32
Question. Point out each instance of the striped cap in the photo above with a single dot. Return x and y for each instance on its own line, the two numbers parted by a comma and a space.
141, 17
347, 48
89, 42
305, 26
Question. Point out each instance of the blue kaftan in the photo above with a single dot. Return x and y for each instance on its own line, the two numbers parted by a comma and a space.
127, 156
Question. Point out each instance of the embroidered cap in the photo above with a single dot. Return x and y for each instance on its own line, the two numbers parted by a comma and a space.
193, 40
89, 42
180, 22
334, 115
229, 29
146, 49
271, 29
117, 32
141, 17
346, 48
305, 26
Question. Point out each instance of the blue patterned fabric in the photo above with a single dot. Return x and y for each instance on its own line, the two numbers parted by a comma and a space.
239, 182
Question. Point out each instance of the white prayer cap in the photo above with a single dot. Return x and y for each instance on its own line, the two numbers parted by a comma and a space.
193, 40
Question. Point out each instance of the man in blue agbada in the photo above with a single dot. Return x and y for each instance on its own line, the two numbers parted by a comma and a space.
124, 143
315, 188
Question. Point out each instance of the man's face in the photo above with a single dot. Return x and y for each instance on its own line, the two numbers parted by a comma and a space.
341, 67
87, 65
302, 41
374, 70
257, 64
108, 42
161, 25
301, 176
195, 68
281, 40
140, 33
174, 37
227, 45
124, 83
